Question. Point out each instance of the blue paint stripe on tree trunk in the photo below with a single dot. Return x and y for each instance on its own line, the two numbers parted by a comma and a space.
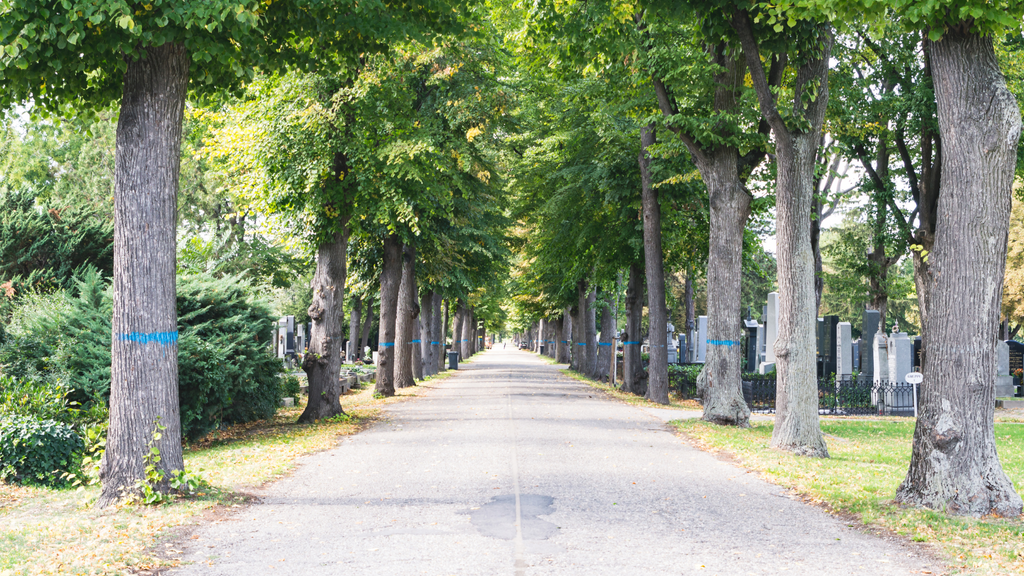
628, 343
724, 342
604, 343
387, 344
162, 338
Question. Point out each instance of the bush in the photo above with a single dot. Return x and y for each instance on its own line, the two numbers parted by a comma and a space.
40, 399
37, 451
290, 387
227, 371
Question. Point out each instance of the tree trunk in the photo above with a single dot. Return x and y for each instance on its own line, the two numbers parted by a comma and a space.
815, 234
390, 281
730, 208
580, 334
689, 304
144, 344
591, 369
474, 344
954, 465
604, 348
465, 334
408, 314
797, 427
565, 344
657, 368
632, 362
426, 335
457, 329
323, 362
364, 341
416, 344
353, 330
438, 332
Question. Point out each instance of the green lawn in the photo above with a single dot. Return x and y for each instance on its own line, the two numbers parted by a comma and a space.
869, 460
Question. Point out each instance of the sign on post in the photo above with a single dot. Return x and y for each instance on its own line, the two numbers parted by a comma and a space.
914, 378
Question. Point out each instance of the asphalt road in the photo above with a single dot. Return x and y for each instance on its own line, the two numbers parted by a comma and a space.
509, 468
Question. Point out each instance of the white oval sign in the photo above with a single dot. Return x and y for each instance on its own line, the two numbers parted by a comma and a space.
914, 377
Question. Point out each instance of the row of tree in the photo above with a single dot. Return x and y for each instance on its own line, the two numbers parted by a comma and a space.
770, 97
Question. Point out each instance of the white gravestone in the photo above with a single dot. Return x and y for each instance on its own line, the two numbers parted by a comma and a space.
1004, 382
771, 332
880, 359
702, 339
901, 357
844, 350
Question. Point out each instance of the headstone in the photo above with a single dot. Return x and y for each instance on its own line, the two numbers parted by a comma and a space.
286, 328
760, 346
670, 332
917, 353
856, 355
300, 339
821, 341
1004, 382
844, 350
900, 352
684, 352
702, 339
376, 358
869, 327
1016, 350
880, 358
828, 362
771, 332
751, 326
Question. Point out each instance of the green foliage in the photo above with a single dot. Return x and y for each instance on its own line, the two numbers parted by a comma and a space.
154, 486
39, 399
227, 370
35, 450
53, 52
290, 387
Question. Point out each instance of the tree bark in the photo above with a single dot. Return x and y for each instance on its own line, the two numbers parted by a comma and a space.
364, 341
416, 343
657, 368
632, 362
144, 343
580, 334
323, 362
954, 465
730, 208
436, 333
591, 316
353, 330
465, 333
689, 304
797, 427
390, 281
565, 343
408, 314
604, 348
474, 342
457, 329
426, 334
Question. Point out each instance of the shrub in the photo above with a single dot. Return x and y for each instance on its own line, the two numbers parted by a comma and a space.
290, 387
37, 451
227, 371
40, 399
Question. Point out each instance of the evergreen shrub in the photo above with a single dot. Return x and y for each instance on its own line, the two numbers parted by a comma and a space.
37, 451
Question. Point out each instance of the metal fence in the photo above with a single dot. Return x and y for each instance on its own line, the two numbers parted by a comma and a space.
836, 396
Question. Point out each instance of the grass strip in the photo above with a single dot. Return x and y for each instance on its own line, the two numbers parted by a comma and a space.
52, 531
869, 460
675, 401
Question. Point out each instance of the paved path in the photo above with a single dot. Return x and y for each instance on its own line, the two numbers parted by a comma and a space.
508, 468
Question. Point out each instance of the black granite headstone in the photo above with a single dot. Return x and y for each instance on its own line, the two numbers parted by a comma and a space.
917, 353
869, 328
751, 331
1016, 356
828, 355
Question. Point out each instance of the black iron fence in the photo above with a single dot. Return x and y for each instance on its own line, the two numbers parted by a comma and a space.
836, 396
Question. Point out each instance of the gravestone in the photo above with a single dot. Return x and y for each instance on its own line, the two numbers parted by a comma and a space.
285, 336
750, 326
1016, 357
880, 358
900, 352
820, 341
702, 339
300, 339
869, 327
1004, 382
917, 353
760, 347
670, 332
844, 350
771, 332
828, 363
856, 354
